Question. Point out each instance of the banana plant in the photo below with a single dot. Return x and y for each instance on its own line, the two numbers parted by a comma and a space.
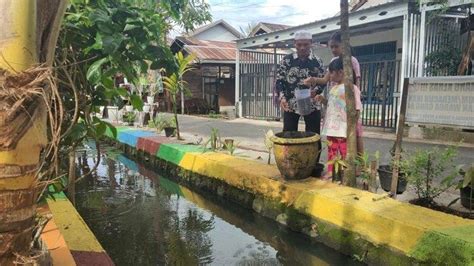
175, 84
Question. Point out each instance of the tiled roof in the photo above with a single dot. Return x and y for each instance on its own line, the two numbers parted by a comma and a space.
210, 51
275, 27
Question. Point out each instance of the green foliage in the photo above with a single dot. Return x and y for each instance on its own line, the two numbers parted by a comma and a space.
444, 60
214, 139
129, 117
424, 168
212, 114
175, 84
468, 178
230, 147
161, 122
269, 144
363, 162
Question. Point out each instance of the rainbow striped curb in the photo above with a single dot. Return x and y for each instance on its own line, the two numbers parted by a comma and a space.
341, 214
68, 237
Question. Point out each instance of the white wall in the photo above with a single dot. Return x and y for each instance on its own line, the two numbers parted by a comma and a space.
217, 33
358, 40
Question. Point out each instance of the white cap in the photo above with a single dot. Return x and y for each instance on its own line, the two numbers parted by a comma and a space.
303, 35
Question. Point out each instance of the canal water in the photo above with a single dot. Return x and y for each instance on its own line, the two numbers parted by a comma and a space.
141, 217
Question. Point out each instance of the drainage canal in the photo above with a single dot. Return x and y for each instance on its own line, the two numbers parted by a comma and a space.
141, 217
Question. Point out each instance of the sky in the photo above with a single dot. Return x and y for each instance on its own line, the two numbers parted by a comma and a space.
288, 12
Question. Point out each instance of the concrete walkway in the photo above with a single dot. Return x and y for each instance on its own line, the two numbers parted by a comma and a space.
250, 135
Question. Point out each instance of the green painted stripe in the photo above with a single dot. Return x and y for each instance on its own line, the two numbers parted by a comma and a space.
174, 153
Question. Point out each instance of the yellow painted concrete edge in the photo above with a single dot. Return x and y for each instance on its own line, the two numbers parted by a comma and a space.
75, 231
385, 222
58, 250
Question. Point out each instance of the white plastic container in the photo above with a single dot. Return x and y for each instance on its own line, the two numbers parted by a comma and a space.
303, 101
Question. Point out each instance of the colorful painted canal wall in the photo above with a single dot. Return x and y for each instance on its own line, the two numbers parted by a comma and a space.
68, 238
383, 231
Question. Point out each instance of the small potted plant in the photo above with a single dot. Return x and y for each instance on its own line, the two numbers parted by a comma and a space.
169, 125
129, 117
465, 187
385, 176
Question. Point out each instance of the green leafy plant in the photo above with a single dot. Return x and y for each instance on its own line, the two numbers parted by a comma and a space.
269, 144
423, 167
129, 117
212, 114
175, 84
230, 147
161, 122
466, 181
363, 162
339, 165
214, 140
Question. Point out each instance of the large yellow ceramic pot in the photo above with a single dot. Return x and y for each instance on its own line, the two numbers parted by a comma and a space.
296, 153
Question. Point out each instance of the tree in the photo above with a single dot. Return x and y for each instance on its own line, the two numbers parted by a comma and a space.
26, 94
175, 84
349, 173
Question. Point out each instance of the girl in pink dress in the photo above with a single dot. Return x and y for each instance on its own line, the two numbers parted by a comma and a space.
335, 122
335, 43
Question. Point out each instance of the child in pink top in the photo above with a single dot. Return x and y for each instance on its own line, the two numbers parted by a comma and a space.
335, 43
335, 123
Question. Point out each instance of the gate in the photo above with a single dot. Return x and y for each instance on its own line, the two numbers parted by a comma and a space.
211, 92
257, 78
380, 93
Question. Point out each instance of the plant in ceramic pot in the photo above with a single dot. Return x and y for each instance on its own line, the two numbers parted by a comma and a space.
466, 189
129, 118
295, 153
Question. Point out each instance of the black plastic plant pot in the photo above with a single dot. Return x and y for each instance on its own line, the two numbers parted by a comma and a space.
466, 200
318, 170
385, 176
169, 131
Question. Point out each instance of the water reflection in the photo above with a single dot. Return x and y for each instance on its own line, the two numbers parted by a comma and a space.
142, 218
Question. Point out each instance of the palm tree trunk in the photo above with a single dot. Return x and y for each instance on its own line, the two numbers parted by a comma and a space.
27, 37
349, 173
175, 111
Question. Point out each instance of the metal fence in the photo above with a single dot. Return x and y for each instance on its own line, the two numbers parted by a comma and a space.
379, 88
380, 92
257, 78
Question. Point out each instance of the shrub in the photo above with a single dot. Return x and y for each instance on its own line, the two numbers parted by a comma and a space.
424, 167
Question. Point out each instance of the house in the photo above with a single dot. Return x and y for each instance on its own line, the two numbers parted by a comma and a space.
392, 40
212, 80
216, 31
264, 27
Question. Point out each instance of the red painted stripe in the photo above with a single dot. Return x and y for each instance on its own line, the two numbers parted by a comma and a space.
151, 144
89, 258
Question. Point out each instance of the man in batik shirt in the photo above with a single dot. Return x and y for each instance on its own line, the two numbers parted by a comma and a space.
292, 71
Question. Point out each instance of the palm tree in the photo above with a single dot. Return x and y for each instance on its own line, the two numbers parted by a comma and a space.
24, 99
350, 172
175, 84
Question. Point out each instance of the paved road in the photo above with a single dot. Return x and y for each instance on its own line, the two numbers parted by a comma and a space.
249, 134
